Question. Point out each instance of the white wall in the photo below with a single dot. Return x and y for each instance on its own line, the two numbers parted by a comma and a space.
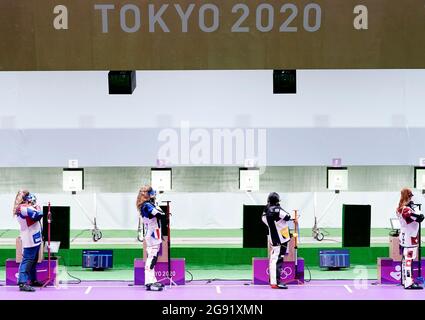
212, 210
213, 99
367, 117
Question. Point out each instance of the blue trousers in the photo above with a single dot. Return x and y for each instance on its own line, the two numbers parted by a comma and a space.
27, 268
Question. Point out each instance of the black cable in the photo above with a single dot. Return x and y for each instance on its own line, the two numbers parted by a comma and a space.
325, 234
309, 272
71, 276
4, 232
191, 276
208, 281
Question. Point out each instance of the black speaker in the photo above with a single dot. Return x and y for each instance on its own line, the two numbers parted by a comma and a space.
121, 82
284, 81
254, 229
60, 226
356, 225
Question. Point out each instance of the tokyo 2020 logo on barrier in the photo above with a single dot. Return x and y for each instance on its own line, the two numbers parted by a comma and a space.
285, 273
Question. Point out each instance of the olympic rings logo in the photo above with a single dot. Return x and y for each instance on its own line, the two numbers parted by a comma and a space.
285, 273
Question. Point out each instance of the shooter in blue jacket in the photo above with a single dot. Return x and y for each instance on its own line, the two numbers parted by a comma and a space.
28, 213
150, 213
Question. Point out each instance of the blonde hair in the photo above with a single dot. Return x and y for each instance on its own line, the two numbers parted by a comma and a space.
19, 199
405, 196
142, 196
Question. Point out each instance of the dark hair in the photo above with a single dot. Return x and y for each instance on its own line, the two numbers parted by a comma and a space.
273, 198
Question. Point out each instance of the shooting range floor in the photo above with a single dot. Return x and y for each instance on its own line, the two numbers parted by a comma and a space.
218, 290
206, 273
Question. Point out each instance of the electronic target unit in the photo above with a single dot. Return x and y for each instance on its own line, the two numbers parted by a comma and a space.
98, 260
334, 259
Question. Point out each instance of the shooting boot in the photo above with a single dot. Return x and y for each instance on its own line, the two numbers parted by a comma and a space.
414, 286
36, 283
26, 288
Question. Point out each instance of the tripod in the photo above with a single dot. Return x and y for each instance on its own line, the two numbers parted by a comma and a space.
49, 221
167, 215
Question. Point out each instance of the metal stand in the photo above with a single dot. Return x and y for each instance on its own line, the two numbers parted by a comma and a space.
140, 233
316, 232
49, 221
296, 234
167, 215
96, 233
420, 278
